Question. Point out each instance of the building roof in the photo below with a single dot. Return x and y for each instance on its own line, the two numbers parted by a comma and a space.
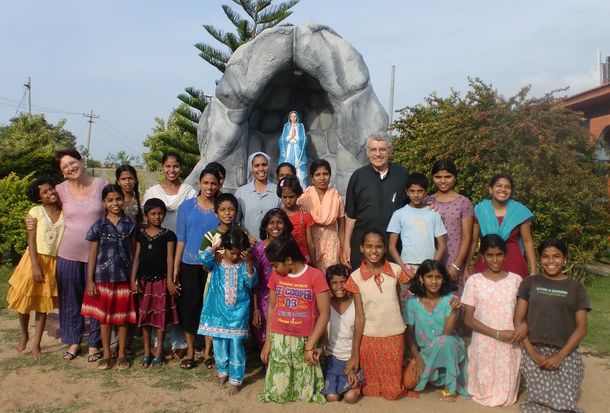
591, 102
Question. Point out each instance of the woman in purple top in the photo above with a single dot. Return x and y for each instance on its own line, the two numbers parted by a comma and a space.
80, 196
457, 214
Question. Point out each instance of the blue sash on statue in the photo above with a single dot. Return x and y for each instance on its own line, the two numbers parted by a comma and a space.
516, 214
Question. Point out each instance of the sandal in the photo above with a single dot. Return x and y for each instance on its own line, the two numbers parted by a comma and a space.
104, 364
209, 363
157, 361
447, 396
69, 355
145, 361
122, 364
93, 357
187, 364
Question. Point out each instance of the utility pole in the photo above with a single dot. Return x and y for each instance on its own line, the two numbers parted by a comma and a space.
91, 116
28, 87
391, 103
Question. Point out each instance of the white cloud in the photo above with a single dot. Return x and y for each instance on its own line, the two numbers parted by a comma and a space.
577, 82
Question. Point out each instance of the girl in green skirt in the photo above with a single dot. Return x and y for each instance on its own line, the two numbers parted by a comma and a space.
299, 309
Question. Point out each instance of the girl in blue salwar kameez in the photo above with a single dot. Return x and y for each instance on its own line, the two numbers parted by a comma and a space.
226, 312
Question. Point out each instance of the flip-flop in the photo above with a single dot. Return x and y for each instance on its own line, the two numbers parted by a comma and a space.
209, 363
122, 363
93, 357
146, 360
157, 361
104, 364
68, 355
187, 364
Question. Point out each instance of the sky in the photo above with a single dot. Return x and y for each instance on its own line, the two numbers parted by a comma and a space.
128, 60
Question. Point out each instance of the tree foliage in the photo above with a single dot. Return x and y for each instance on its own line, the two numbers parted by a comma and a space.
14, 205
546, 148
172, 136
260, 15
28, 144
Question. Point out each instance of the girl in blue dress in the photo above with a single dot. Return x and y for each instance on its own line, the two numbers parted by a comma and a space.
431, 315
226, 313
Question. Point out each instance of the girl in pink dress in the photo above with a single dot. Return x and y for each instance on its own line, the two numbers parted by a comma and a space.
328, 212
494, 355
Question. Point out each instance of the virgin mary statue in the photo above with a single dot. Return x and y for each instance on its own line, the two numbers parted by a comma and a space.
293, 144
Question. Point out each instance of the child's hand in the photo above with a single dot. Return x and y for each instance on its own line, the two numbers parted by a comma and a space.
173, 288
91, 289
352, 365
519, 334
317, 352
538, 358
256, 318
352, 379
216, 241
37, 275
252, 240
308, 355
455, 303
265, 351
453, 273
553, 362
245, 255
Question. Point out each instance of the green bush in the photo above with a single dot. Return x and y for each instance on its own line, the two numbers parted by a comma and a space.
546, 148
14, 205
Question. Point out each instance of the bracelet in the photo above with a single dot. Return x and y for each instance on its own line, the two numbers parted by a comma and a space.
455, 266
307, 351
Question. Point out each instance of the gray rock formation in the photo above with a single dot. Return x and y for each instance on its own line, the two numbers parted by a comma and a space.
308, 68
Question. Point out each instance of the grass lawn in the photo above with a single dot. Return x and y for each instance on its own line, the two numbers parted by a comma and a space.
599, 318
5, 274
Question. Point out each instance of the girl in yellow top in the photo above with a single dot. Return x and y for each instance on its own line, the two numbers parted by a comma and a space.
32, 285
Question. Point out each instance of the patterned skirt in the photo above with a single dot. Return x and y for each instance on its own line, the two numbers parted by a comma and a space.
381, 362
289, 378
25, 294
445, 365
113, 304
156, 306
549, 391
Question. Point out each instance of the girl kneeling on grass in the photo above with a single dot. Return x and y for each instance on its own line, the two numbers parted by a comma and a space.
33, 286
298, 313
431, 315
108, 296
226, 312
555, 308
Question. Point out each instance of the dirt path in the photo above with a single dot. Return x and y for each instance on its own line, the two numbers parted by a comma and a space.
52, 385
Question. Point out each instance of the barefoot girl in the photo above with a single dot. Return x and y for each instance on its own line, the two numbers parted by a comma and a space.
328, 212
275, 224
378, 343
152, 278
195, 218
289, 190
108, 298
127, 179
431, 316
226, 312
555, 308
494, 355
33, 286
339, 336
298, 314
